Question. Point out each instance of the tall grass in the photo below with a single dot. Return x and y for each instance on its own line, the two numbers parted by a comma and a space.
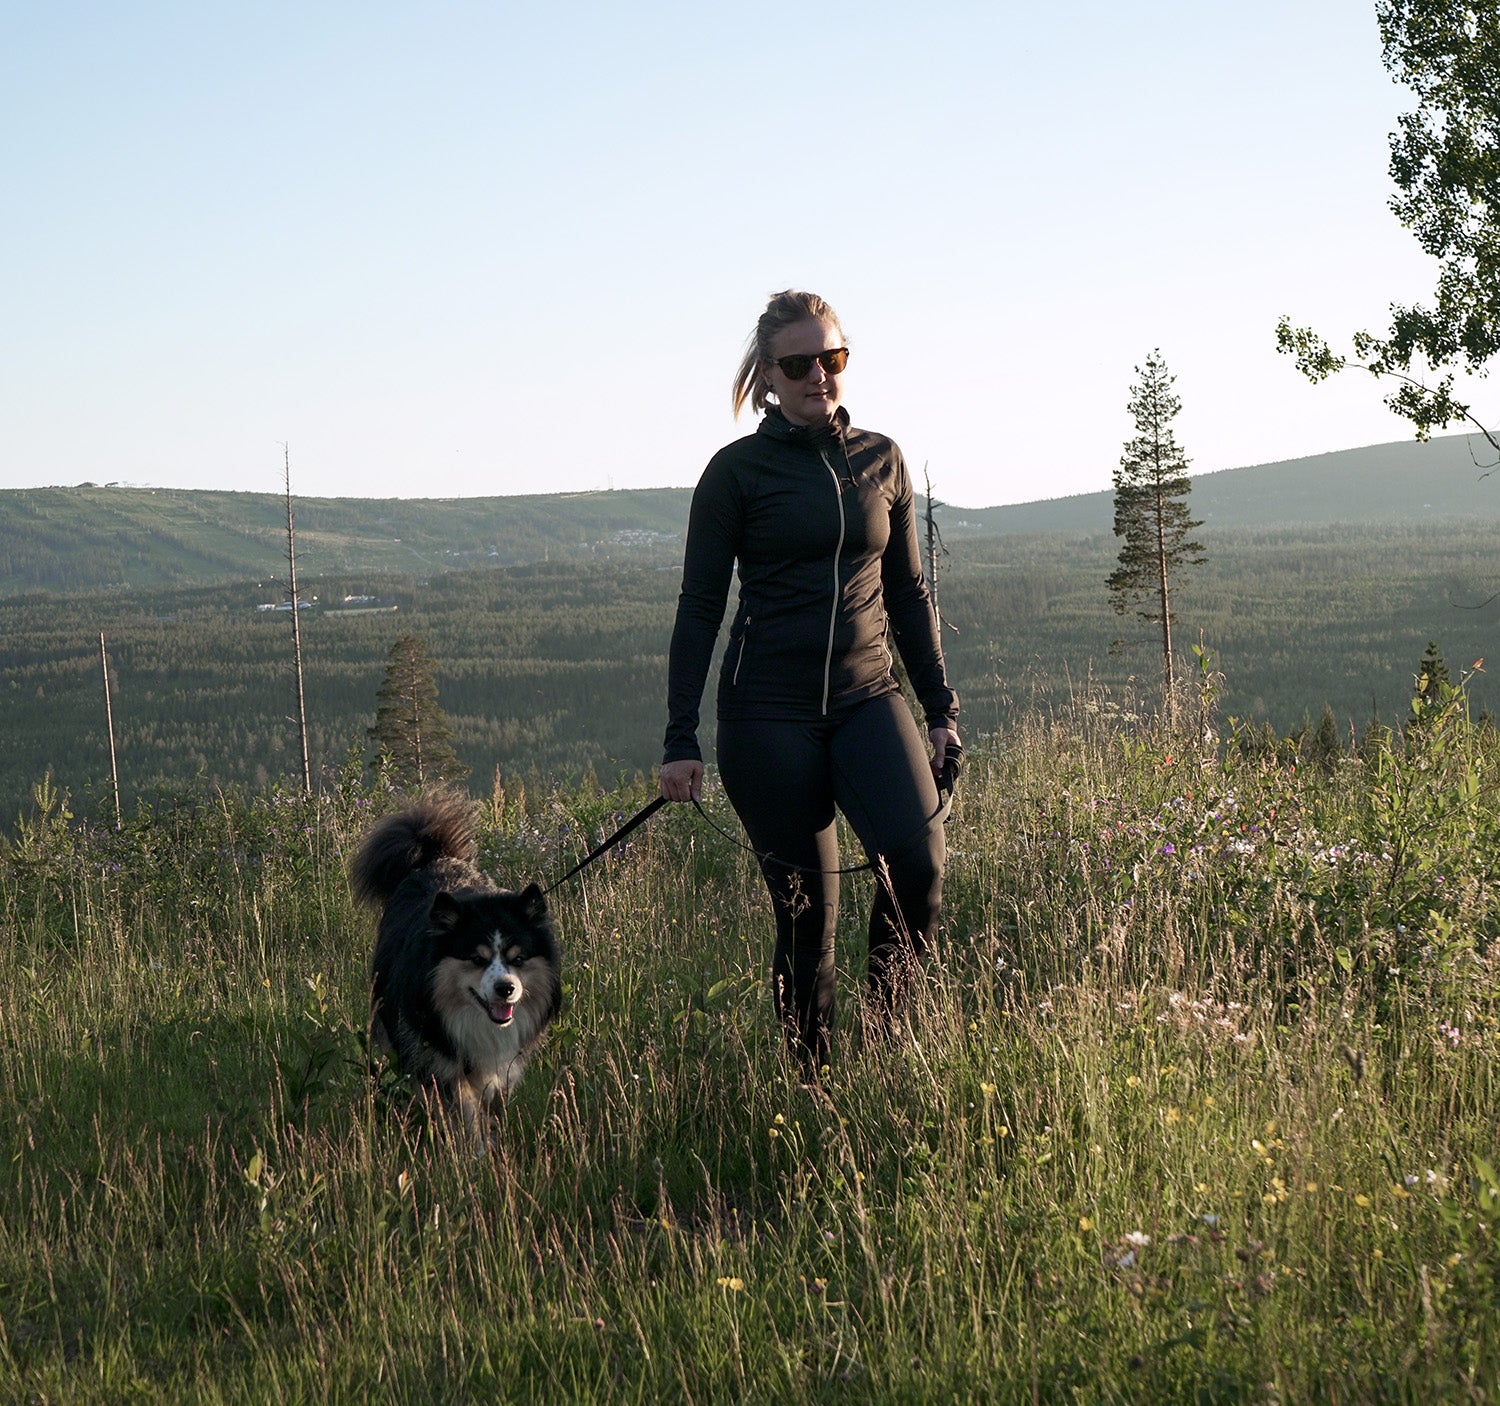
1198, 1103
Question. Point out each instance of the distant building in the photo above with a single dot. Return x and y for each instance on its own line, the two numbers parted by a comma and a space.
361, 605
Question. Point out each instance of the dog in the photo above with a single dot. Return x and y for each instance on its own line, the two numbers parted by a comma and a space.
466, 976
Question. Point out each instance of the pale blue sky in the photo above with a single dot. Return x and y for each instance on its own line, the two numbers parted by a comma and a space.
454, 249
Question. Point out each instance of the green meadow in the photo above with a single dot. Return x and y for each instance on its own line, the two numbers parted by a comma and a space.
1198, 1103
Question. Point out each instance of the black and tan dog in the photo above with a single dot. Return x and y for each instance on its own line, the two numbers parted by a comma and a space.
466, 975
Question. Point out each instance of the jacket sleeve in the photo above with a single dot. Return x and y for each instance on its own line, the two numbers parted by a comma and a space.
909, 607
714, 527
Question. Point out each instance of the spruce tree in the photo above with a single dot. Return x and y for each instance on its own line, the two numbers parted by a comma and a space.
1433, 687
1432, 675
1151, 489
411, 734
1324, 747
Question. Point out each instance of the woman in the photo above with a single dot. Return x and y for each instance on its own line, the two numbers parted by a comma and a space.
821, 520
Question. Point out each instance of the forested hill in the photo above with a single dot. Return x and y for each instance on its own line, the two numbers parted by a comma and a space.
94, 538
1404, 482
91, 538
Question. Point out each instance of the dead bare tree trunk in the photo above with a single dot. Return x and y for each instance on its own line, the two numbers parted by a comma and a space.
935, 548
291, 562
109, 725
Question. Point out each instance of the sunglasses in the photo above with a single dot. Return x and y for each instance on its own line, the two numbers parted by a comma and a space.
798, 366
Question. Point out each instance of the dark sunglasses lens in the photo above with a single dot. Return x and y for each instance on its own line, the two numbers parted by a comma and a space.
797, 366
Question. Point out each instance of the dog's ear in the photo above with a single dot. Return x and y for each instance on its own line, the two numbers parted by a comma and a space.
533, 902
444, 914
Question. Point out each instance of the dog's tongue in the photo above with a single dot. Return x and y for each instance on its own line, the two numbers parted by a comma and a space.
500, 1013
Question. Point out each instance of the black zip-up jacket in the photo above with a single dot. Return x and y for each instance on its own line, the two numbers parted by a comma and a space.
823, 525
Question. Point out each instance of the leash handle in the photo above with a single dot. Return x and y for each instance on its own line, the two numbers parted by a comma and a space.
947, 778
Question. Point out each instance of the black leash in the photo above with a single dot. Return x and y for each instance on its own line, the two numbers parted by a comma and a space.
947, 784
639, 818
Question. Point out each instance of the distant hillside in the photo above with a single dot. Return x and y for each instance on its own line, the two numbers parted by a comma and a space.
1405, 482
93, 538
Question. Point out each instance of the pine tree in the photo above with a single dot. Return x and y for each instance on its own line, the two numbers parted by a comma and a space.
411, 732
1445, 157
1151, 489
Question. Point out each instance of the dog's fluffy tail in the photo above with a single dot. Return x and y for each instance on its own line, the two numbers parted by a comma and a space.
438, 826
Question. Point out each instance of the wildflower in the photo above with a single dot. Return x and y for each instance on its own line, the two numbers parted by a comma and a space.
1133, 1081
1137, 1237
1084, 1223
988, 1090
1361, 1200
731, 1283
1311, 1188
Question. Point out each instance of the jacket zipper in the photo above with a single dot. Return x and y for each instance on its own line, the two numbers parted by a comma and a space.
744, 641
833, 614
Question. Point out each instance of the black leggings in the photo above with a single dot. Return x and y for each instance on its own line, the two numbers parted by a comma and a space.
784, 780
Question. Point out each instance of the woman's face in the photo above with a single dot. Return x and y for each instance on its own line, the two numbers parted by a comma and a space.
812, 400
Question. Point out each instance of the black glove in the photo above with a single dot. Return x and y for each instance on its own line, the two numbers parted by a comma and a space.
947, 778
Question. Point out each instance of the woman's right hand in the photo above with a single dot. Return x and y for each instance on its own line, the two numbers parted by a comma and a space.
682, 781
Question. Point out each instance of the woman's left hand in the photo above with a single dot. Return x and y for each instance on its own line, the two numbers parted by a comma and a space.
942, 738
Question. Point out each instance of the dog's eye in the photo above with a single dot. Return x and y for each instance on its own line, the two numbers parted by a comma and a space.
514, 955
482, 957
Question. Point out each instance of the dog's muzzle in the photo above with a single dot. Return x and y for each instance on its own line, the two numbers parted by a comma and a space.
500, 1012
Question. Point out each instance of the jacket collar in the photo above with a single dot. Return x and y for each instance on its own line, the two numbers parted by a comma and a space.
778, 427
